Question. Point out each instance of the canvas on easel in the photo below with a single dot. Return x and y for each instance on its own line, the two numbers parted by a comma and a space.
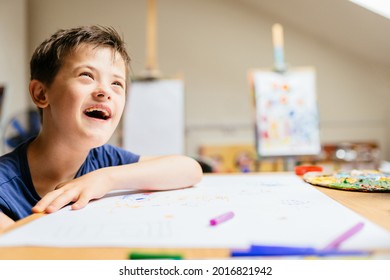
153, 121
286, 113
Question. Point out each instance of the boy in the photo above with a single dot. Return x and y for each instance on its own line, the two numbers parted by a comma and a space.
78, 81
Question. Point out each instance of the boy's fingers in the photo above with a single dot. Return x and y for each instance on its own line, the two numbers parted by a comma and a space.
45, 201
81, 202
54, 201
61, 201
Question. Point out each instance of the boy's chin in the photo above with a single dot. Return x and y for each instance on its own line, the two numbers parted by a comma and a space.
95, 142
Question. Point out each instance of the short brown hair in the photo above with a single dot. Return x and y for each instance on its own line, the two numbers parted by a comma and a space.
49, 55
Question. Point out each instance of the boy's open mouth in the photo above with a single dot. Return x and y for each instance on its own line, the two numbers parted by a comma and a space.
98, 113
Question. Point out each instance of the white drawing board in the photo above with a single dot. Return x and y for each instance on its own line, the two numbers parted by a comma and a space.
286, 113
269, 210
153, 121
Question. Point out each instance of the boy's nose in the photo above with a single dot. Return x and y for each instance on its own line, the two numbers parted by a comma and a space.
102, 94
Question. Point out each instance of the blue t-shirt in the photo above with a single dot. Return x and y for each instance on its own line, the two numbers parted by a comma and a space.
17, 192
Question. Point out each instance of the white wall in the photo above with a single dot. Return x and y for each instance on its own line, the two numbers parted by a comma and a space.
212, 44
13, 58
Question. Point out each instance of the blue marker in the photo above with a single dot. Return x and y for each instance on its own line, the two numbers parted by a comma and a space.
259, 250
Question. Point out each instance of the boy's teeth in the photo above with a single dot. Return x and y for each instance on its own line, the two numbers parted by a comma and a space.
97, 113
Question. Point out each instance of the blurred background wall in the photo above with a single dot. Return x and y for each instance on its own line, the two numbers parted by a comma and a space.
212, 44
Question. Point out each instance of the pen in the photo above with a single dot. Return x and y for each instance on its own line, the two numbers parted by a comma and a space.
222, 218
151, 256
344, 236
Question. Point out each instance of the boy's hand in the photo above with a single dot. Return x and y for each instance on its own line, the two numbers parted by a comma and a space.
80, 191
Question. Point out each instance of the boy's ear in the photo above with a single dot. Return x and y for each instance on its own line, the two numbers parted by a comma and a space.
38, 94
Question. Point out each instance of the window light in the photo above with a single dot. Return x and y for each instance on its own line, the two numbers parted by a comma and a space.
381, 7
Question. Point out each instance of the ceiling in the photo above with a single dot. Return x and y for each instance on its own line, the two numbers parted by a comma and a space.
337, 22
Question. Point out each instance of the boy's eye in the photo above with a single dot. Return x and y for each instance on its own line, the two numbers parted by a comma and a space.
86, 74
118, 84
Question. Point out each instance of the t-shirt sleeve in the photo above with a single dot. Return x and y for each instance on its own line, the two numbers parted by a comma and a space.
3, 206
113, 156
106, 156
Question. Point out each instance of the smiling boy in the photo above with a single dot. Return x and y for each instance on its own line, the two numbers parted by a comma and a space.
79, 78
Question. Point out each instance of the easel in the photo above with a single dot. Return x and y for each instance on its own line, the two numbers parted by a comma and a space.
151, 71
154, 116
286, 111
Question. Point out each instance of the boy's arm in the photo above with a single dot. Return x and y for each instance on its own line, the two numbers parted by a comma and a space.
150, 173
161, 173
5, 222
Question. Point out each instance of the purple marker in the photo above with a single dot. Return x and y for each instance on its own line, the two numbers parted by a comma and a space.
222, 218
344, 236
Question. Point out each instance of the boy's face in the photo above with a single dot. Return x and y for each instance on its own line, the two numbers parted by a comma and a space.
87, 96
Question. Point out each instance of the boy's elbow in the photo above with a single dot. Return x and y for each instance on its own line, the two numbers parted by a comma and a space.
197, 172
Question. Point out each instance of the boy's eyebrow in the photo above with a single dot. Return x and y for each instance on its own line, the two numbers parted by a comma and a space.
119, 77
83, 66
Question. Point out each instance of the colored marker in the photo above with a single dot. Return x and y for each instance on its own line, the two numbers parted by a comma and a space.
153, 256
222, 218
335, 244
261, 250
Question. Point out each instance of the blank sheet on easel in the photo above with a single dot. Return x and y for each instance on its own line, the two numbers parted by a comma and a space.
153, 121
269, 210
287, 121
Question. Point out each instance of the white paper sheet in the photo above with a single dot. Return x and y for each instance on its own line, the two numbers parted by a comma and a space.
269, 210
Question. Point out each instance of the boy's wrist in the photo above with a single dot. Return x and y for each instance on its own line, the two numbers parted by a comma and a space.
110, 178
